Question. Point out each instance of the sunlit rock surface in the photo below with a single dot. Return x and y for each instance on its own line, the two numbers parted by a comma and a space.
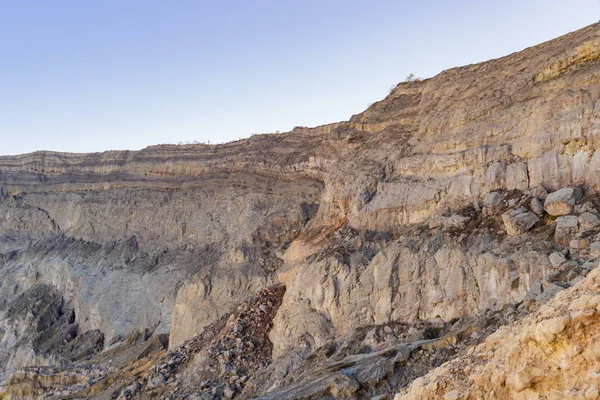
442, 202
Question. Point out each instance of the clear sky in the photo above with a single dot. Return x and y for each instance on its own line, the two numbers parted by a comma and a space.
86, 76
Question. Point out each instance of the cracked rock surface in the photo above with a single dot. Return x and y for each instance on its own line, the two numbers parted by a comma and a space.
341, 261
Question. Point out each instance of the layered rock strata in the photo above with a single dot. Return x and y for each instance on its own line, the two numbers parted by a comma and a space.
443, 200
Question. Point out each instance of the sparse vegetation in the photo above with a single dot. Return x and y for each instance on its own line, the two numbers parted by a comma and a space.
412, 78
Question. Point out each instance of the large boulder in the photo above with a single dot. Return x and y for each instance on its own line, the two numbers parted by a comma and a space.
562, 201
519, 221
566, 228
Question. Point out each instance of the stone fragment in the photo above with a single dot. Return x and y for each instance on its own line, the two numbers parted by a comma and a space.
542, 291
566, 227
538, 192
228, 393
556, 276
492, 199
557, 259
595, 249
589, 265
536, 206
588, 221
519, 221
578, 244
157, 379
592, 393
562, 201
588, 206
264, 308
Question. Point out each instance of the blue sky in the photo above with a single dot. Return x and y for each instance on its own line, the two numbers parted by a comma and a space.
84, 76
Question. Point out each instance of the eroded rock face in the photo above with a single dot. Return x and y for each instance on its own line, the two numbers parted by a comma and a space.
551, 354
424, 208
410, 279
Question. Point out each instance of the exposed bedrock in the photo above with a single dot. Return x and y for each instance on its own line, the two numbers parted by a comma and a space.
394, 215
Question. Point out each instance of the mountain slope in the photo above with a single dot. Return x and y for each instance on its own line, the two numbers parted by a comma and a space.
405, 214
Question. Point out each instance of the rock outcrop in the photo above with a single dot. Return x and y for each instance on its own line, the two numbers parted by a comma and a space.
453, 197
551, 354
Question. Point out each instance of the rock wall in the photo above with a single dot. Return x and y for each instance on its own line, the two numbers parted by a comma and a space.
551, 354
366, 221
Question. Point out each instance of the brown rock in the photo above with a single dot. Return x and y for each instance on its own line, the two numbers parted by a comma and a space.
562, 201
519, 221
566, 228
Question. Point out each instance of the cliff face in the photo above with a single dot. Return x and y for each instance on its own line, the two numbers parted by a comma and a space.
398, 215
551, 354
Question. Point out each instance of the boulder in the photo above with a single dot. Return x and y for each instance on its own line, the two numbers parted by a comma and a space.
595, 250
588, 221
578, 244
157, 379
566, 228
587, 207
492, 199
536, 206
562, 201
589, 265
542, 291
538, 192
557, 259
228, 393
519, 221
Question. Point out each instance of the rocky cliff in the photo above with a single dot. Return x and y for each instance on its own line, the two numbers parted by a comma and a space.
552, 354
438, 204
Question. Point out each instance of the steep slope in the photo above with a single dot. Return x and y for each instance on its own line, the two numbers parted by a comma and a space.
405, 214
552, 354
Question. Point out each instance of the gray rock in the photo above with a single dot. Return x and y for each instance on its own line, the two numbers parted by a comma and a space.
228, 393
156, 379
557, 259
589, 265
492, 199
562, 201
132, 388
566, 228
588, 221
595, 249
587, 207
519, 221
536, 206
538, 192
264, 308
